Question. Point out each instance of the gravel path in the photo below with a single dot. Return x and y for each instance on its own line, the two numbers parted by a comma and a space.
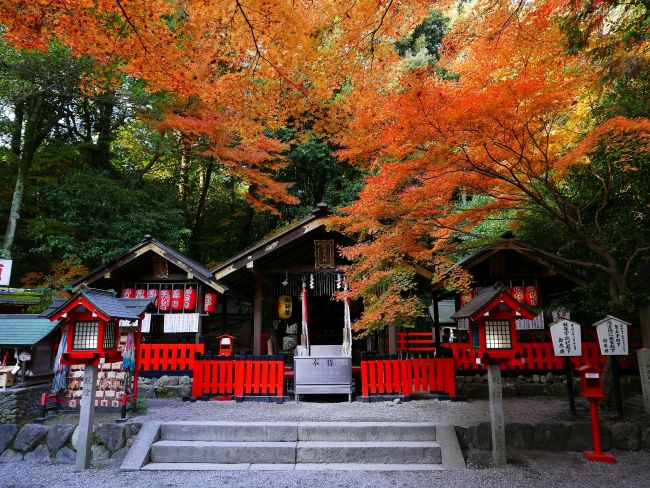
531, 469
442, 412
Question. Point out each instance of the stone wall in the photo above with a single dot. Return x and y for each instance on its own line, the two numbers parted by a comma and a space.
20, 404
559, 436
58, 442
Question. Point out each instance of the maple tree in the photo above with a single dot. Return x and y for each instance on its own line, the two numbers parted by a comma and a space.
235, 71
510, 127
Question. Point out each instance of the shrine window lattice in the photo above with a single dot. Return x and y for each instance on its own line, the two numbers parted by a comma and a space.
497, 334
85, 335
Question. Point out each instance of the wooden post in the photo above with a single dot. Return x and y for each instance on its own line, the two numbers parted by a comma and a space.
436, 322
392, 340
497, 421
257, 314
86, 417
569, 385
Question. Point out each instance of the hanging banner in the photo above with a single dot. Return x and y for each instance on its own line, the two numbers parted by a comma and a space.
181, 322
567, 338
612, 336
5, 271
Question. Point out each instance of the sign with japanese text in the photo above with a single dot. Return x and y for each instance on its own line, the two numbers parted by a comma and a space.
567, 338
324, 251
5, 271
612, 336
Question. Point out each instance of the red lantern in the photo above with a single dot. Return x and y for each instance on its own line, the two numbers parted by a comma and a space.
466, 297
177, 299
128, 293
141, 293
153, 293
189, 299
209, 302
532, 298
517, 293
164, 300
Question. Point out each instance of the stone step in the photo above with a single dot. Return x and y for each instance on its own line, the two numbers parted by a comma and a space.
377, 452
291, 467
230, 431
219, 452
366, 431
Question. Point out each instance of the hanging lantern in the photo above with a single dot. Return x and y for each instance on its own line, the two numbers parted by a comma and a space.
189, 299
284, 306
532, 298
164, 300
517, 293
128, 293
153, 293
466, 297
209, 302
177, 299
141, 293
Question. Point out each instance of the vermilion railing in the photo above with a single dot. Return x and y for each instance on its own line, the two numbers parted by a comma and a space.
238, 377
407, 376
537, 355
168, 357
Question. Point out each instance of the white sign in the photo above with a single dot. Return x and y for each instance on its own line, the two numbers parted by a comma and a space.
5, 271
536, 324
612, 336
463, 324
567, 339
181, 322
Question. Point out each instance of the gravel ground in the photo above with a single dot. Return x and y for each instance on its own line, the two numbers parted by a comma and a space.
530, 469
441, 412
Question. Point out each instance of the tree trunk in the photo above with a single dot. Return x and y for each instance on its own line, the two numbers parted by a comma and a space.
14, 213
104, 131
17, 132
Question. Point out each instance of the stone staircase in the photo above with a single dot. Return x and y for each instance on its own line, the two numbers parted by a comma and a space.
295, 446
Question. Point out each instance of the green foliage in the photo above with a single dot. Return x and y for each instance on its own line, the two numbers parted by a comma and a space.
90, 216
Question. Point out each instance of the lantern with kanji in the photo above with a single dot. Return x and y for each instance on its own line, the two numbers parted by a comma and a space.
466, 297
491, 315
92, 321
165, 300
285, 306
209, 302
189, 299
177, 299
532, 298
518, 294
153, 294
141, 293
128, 293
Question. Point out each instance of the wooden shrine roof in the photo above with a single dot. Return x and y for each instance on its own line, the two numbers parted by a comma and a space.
150, 244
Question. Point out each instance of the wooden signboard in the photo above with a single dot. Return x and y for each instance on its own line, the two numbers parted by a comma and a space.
567, 338
324, 251
612, 336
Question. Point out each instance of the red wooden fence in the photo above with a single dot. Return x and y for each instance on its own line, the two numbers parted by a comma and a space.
407, 376
238, 377
168, 357
538, 355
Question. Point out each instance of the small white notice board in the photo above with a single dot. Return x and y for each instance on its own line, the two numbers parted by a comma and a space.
612, 336
567, 339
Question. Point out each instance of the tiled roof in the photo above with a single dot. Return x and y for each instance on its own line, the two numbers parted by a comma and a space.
106, 302
24, 329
